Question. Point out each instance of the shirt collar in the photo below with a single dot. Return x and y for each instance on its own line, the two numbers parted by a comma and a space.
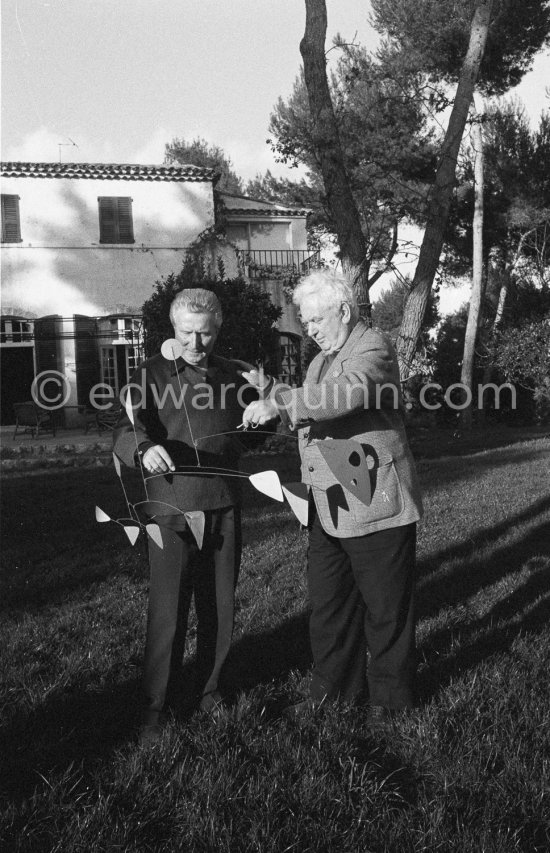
182, 367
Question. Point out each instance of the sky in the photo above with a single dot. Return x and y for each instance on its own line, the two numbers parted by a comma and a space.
115, 80
120, 78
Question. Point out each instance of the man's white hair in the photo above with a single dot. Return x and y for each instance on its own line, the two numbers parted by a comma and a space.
199, 301
333, 288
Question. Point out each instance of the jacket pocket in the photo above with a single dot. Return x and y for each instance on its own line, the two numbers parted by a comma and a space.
387, 495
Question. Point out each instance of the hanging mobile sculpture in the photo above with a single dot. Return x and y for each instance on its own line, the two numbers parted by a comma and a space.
346, 459
266, 482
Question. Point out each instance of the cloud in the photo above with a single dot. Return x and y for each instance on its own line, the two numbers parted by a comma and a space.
41, 145
46, 146
152, 151
250, 160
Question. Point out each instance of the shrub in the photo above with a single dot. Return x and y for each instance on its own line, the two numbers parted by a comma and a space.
248, 331
523, 356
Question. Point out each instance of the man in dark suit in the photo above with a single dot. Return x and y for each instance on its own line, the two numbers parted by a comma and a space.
363, 500
189, 399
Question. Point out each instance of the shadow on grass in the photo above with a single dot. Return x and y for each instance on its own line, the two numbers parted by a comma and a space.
463, 645
75, 728
525, 612
51, 543
444, 441
84, 727
55, 583
475, 572
435, 473
254, 659
269, 655
81, 728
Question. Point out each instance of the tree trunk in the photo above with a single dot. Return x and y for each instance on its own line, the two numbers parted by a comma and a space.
326, 138
474, 311
442, 191
503, 293
507, 276
492, 346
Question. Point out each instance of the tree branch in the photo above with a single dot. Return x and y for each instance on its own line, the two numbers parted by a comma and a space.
441, 195
389, 258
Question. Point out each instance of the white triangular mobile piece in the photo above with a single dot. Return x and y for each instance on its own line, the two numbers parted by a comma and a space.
132, 532
154, 532
100, 515
268, 483
116, 462
128, 406
195, 521
297, 495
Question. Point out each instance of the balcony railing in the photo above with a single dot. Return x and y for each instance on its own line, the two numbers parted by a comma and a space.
278, 263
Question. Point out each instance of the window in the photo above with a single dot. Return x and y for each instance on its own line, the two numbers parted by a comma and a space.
128, 328
115, 220
134, 357
118, 363
108, 367
132, 328
289, 354
11, 227
15, 331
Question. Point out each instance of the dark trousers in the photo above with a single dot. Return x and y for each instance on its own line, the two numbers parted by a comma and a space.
178, 572
362, 598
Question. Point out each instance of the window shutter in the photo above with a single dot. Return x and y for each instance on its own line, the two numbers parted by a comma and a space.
108, 232
125, 223
11, 228
115, 220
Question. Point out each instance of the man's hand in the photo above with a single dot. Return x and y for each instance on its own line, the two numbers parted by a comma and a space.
260, 412
157, 460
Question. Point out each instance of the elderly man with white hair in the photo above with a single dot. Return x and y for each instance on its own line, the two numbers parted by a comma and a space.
364, 502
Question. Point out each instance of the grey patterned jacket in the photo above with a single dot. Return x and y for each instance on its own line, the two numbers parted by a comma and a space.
357, 490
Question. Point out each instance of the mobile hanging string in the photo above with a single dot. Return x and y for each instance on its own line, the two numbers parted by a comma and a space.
173, 349
130, 414
266, 482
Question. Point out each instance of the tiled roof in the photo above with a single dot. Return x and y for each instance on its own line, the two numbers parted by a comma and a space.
265, 211
235, 205
107, 171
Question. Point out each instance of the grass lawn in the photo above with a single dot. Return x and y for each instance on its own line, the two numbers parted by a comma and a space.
468, 770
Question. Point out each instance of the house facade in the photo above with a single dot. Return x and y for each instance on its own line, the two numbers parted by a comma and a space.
270, 242
83, 245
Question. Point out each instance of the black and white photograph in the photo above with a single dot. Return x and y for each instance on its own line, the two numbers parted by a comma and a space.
275, 426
